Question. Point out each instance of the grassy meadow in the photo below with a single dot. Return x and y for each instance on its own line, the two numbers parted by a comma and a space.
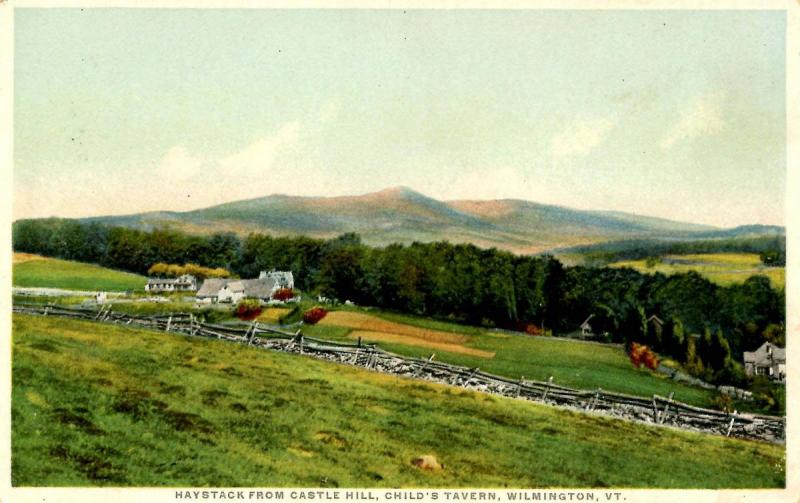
44, 272
104, 405
721, 268
572, 363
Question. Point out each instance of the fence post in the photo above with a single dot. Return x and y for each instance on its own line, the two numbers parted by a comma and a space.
46, 308
730, 426
301, 344
596, 397
666, 407
547, 388
359, 341
252, 331
424, 365
519, 386
475, 371
655, 410
169, 323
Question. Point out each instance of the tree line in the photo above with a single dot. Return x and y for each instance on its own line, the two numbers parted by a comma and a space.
771, 249
705, 326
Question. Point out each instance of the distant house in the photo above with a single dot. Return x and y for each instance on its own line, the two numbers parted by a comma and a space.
656, 321
234, 290
584, 330
586, 327
768, 360
185, 283
283, 279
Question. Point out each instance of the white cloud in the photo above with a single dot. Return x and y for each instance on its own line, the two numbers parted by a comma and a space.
580, 138
260, 157
178, 166
702, 117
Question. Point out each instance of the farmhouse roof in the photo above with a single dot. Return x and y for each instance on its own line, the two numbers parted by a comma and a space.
211, 287
766, 354
585, 323
261, 288
656, 319
185, 279
235, 285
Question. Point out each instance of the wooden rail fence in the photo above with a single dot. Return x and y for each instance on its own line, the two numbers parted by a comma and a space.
657, 409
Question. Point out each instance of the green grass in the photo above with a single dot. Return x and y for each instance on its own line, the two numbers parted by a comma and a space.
96, 404
56, 273
571, 363
721, 268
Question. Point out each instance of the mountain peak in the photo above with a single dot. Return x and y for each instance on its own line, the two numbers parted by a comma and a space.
398, 191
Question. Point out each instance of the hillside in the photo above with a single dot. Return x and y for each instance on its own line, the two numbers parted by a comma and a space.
115, 406
44, 272
403, 215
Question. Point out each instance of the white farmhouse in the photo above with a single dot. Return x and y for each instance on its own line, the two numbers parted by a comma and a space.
185, 283
234, 290
768, 360
283, 279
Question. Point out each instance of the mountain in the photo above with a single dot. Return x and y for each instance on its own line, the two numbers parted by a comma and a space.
402, 215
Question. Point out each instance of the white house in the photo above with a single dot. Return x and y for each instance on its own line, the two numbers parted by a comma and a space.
586, 327
768, 360
185, 283
234, 290
283, 279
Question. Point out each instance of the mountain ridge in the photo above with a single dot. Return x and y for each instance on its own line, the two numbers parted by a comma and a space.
401, 214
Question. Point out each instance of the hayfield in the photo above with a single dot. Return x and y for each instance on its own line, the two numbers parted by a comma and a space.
273, 315
43, 272
372, 328
384, 337
19, 258
100, 405
721, 268
364, 321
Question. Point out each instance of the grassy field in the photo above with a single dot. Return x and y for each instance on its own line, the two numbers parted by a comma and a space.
571, 363
273, 315
44, 272
721, 268
107, 405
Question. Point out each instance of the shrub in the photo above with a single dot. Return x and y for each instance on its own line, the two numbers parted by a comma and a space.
642, 355
248, 309
174, 270
313, 315
283, 294
528, 328
722, 402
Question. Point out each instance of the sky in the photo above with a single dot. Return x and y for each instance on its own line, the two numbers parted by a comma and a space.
676, 114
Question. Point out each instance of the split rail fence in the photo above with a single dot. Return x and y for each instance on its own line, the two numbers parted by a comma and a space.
656, 410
